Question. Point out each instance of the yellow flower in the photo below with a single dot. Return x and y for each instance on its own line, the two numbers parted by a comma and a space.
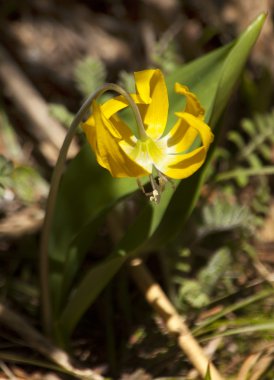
124, 155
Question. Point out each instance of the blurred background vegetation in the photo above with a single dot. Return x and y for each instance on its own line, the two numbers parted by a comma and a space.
219, 271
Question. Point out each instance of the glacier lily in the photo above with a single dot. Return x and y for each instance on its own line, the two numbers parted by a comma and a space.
172, 155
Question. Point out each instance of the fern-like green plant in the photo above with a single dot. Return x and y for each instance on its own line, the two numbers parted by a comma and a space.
90, 74
252, 148
126, 81
218, 231
166, 56
61, 113
23, 181
223, 216
6, 169
196, 292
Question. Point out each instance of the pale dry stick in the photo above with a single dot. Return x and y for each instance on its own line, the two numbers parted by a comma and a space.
256, 365
45, 129
174, 323
247, 366
263, 271
261, 367
7, 371
21, 222
209, 350
42, 345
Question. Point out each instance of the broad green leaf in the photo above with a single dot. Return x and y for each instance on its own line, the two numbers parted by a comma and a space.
212, 78
95, 280
187, 192
234, 65
86, 189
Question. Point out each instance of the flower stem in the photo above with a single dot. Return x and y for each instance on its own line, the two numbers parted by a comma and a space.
55, 181
135, 109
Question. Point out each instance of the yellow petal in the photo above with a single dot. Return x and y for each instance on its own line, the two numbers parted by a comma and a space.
193, 105
114, 105
145, 153
107, 149
90, 131
151, 88
180, 137
202, 128
142, 84
182, 165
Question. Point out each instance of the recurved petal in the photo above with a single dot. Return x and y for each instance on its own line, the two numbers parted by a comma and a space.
151, 88
181, 137
193, 105
201, 127
98, 109
90, 131
107, 149
182, 165
114, 105
142, 84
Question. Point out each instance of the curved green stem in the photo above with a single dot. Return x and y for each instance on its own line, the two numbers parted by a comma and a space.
55, 181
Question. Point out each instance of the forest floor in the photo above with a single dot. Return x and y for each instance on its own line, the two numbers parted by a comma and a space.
41, 44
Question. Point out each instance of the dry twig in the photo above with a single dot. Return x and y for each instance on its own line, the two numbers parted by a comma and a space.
48, 133
42, 345
174, 323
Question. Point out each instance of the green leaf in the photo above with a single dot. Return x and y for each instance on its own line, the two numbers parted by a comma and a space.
229, 70
86, 189
244, 330
99, 276
237, 139
212, 78
208, 376
89, 288
249, 127
265, 151
232, 308
234, 64
254, 161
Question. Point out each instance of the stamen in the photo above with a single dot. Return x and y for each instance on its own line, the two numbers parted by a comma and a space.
163, 180
140, 185
155, 197
156, 193
158, 186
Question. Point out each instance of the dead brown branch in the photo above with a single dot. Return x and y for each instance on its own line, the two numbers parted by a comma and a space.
48, 133
42, 345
